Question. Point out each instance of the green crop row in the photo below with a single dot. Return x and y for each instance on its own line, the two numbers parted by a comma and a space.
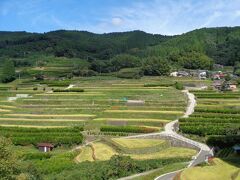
69, 90
208, 120
220, 110
57, 136
216, 115
128, 129
202, 129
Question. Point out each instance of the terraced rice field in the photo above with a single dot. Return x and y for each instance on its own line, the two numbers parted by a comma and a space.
101, 103
103, 150
216, 113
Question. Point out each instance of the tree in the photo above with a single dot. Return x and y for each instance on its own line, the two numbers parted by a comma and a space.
237, 69
8, 166
155, 66
8, 74
125, 61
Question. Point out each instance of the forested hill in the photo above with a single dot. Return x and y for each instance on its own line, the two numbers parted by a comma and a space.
221, 45
80, 44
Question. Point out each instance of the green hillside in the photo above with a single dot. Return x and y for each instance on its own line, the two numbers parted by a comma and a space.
128, 54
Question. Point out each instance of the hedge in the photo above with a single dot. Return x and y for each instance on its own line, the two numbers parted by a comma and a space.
69, 90
223, 141
57, 136
223, 111
129, 129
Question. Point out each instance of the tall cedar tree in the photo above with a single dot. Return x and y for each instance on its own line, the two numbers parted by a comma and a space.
8, 74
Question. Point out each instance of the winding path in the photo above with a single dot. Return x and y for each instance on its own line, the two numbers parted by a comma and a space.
170, 131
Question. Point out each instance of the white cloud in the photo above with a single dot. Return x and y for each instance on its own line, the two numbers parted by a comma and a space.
117, 21
171, 16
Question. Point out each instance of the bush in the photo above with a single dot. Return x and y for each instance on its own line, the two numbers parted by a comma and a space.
8, 72
129, 129
178, 86
223, 141
57, 136
69, 90
158, 84
130, 73
155, 66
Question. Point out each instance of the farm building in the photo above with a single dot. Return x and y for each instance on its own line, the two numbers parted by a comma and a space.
225, 86
45, 147
174, 74
182, 74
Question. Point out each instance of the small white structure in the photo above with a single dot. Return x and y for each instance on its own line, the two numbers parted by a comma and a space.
174, 74
18, 96
135, 102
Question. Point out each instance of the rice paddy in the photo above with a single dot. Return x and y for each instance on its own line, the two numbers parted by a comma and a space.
102, 102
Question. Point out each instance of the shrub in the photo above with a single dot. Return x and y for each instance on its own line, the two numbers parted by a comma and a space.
69, 90
223, 141
130, 73
129, 129
178, 86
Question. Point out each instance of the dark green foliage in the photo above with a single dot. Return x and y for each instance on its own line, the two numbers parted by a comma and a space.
179, 86
158, 84
8, 167
124, 61
237, 68
116, 167
69, 90
57, 136
130, 73
40, 156
223, 141
76, 43
129, 129
193, 60
8, 72
154, 66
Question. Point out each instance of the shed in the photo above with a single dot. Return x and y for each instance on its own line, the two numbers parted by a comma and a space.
45, 147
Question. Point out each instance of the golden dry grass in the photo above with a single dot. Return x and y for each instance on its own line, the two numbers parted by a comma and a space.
85, 155
31, 126
51, 115
166, 153
143, 111
42, 120
133, 119
138, 143
102, 151
5, 110
221, 170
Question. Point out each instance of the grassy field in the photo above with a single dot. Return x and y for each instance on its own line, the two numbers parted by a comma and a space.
219, 169
137, 143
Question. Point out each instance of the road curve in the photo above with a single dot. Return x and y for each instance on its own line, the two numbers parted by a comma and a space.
204, 152
170, 131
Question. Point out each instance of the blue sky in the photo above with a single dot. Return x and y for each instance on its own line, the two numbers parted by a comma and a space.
100, 16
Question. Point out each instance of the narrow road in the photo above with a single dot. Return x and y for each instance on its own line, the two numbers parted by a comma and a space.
204, 152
